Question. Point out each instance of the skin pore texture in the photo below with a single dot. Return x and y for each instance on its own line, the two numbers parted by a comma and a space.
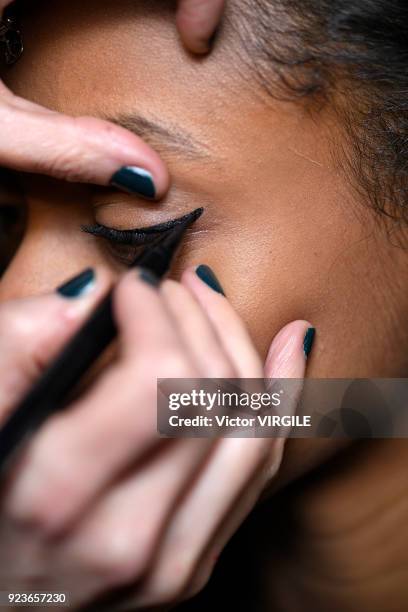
283, 228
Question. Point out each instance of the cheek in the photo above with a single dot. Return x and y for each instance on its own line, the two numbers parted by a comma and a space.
260, 277
265, 272
274, 255
259, 291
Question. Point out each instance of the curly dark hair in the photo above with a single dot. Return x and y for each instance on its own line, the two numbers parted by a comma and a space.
353, 54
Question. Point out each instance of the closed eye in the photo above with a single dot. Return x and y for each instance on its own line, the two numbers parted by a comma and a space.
126, 237
125, 245
143, 235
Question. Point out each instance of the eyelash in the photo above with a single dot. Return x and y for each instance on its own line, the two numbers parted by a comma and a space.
123, 245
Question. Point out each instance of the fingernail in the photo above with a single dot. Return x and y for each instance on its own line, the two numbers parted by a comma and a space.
308, 341
79, 285
148, 277
209, 278
134, 180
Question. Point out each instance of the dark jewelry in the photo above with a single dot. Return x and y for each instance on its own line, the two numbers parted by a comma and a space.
11, 41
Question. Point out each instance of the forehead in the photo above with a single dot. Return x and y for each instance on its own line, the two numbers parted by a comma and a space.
108, 58
105, 57
116, 59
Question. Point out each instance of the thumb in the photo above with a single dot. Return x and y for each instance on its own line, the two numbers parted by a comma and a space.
288, 353
287, 358
33, 331
77, 149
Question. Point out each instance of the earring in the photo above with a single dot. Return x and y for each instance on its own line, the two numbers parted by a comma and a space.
11, 41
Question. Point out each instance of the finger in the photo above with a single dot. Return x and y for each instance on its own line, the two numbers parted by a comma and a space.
197, 21
229, 327
78, 149
289, 351
196, 331
204, 565
115, 544
231, 468
111, 426
230, 485
33, 330
144, 319
287, 358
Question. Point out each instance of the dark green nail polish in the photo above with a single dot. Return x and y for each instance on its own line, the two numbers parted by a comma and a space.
134, 180
308, 340
209, 278
148, 277
79, 285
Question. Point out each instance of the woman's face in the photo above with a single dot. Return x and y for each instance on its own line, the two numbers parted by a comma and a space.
282, 228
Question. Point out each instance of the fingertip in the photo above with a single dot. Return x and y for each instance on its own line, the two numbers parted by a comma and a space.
139, 169
138, 278
38, 326
132, 291
121, 159
196, 44
203, 278
79, 286
79, 294
188, 275
150, 184
308, 340
197, 22
88, 281
289, 350
80, 150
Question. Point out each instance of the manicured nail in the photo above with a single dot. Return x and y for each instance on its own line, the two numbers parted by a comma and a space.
148, 277
79, 285
308, 341
209, 278
134, 180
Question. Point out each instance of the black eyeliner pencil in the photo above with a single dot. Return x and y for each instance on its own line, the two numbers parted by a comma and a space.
50, 393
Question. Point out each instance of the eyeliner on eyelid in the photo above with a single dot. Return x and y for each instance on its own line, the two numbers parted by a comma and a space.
124, 237
136, 236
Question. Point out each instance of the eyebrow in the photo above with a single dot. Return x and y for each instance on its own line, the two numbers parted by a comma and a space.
163, 136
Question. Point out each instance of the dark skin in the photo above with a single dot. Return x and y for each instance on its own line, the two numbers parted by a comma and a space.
283, 229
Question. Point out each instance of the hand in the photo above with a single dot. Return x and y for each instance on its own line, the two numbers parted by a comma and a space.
98, 500
86, 149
